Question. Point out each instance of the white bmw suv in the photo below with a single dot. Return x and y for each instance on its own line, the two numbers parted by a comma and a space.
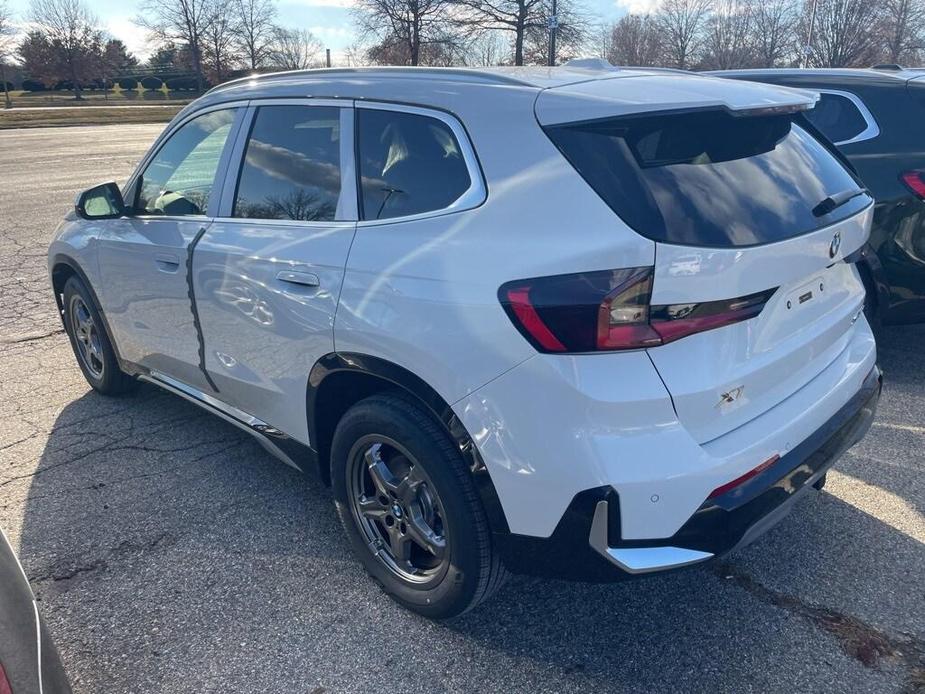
582, 322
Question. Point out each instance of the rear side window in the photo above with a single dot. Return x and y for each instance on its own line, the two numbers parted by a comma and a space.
709, 178
837, 117
408, 163
291, 166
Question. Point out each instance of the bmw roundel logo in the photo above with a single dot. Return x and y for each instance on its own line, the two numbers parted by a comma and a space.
835, 245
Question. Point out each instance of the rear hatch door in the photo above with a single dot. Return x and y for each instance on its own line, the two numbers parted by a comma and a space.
721, 379
741, 199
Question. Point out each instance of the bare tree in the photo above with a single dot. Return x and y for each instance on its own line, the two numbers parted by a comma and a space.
72, 33
186, 21
355, 54
635, 40
774, 24
728, 35
407, 30
903, 30
486, 48
600, 40
442, 51
219, 47
254, 29
842, 34
574, 28
514, 17
525, 21
294, 49
6, 47
681, 24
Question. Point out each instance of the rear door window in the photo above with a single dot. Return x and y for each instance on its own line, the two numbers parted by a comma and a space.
291, 166
409, 164
837, 117
709, 178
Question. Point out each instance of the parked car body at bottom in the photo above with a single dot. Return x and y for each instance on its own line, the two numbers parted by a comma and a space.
29, 662
531, 319
875, 119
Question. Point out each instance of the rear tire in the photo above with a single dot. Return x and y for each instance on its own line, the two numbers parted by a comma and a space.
90, 341
410, 508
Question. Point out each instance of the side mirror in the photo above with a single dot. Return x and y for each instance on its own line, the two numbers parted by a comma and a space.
100, 202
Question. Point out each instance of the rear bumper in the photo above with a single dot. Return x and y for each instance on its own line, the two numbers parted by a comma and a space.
587, 544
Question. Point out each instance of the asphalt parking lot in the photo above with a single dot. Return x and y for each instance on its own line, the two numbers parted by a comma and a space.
170, 553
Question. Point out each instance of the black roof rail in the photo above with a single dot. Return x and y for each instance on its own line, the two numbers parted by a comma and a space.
888, 66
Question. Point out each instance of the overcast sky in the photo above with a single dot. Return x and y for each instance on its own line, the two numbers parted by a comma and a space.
329, 20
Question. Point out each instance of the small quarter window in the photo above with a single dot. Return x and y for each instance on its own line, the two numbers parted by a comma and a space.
409, 164
180, 178
291, 167
837, 117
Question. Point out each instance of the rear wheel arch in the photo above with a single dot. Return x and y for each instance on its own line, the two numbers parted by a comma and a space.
339, 380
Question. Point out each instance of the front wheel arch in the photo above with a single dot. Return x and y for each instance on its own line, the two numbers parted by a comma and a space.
65, 267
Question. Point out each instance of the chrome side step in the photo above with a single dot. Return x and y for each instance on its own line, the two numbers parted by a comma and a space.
638, 560
247, 422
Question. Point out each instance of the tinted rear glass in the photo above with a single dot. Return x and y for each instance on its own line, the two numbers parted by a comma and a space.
709, 178
408, 164
837, 117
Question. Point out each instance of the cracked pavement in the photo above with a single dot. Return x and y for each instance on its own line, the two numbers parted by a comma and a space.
170, 553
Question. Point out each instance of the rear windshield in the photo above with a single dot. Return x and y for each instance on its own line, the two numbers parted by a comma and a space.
709, 178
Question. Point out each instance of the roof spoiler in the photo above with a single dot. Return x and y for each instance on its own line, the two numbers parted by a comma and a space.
612, 97
773, 110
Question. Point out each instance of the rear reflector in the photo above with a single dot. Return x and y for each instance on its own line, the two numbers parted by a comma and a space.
610, 310
738, 481
915, 181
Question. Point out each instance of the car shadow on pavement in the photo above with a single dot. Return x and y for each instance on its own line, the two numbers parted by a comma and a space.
169, 552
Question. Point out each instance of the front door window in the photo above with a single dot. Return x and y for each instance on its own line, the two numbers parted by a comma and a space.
180, 179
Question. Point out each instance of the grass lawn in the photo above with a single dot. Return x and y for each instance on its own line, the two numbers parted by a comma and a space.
96, 97
80, 115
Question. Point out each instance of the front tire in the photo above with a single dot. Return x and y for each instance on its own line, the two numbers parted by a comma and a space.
90, 341
410, 509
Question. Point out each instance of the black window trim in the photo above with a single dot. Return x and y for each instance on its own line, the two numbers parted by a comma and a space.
474, 196
871, 130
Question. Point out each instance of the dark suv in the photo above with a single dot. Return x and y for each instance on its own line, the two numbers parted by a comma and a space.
876, 117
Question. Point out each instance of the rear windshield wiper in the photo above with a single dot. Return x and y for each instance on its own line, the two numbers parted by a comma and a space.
837, 200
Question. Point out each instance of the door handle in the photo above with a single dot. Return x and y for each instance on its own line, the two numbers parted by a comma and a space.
305, 279
166, 262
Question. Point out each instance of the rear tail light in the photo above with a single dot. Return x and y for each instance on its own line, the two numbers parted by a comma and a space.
5, 687
675, 321
915, 181
611, 310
